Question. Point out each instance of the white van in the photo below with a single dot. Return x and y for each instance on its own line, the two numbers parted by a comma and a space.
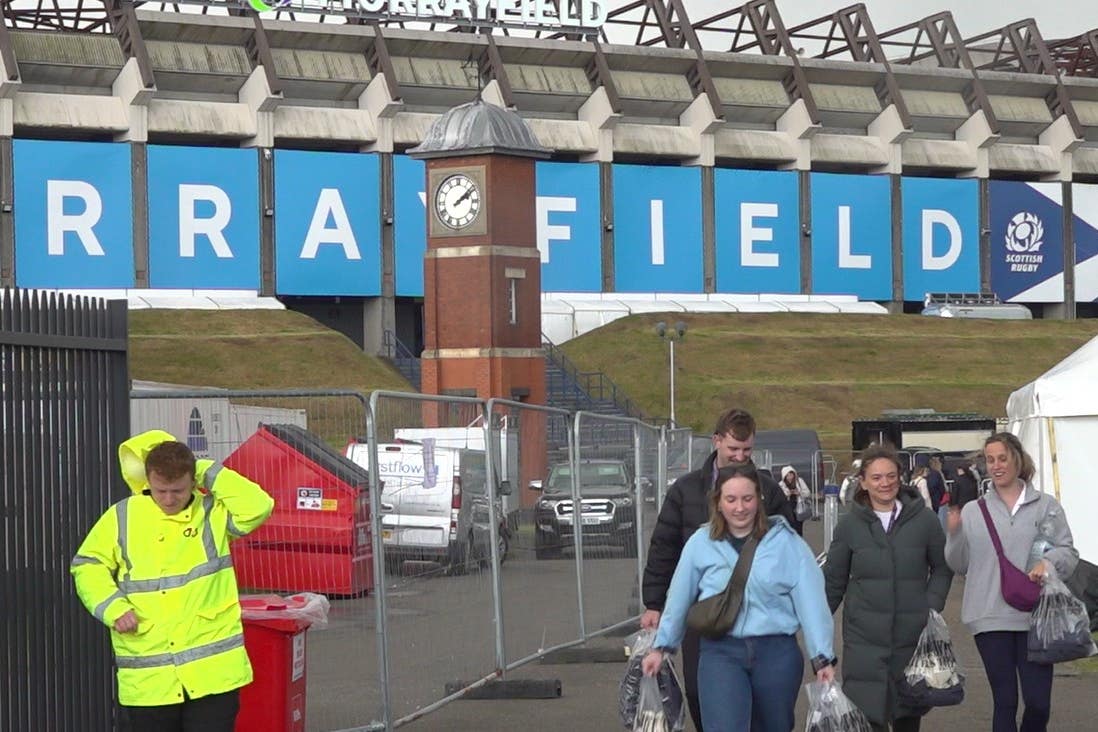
434, 504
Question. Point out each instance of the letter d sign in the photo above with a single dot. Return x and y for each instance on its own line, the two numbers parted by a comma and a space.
932, 218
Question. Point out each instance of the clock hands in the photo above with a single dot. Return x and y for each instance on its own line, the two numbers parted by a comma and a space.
464, 196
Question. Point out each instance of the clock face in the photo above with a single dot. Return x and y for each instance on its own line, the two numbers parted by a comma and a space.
457, 201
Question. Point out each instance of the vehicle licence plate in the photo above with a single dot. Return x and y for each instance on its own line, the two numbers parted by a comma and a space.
591, 520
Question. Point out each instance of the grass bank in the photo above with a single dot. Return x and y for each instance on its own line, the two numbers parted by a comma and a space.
820, 371
250, 349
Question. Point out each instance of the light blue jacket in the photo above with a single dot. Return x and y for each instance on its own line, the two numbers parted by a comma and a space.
784, 592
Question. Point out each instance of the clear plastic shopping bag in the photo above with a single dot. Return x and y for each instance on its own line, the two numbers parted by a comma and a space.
803, 511
829, 710
650, 703
1059, 628
933, 677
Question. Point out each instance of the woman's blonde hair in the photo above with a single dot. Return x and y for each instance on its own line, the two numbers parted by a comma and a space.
718, 527
1026, 468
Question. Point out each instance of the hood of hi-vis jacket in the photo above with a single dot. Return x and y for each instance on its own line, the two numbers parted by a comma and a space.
132, 454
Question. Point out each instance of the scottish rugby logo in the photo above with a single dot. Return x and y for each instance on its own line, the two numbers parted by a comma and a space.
1024, 236
1025, 233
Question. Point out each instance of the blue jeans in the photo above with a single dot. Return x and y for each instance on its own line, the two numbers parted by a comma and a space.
749, 683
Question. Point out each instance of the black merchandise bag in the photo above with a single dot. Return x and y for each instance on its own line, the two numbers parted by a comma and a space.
655, 703
1059, 629
932, 677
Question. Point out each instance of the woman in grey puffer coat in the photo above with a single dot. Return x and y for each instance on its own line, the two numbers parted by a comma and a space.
887, 566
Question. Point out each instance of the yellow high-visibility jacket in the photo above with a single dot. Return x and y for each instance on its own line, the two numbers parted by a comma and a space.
176, 574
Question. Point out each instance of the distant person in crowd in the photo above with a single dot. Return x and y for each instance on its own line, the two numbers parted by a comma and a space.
966, 487
794, 487
750, 678
919, 483
850, 484
1016, 508
886, 566
156, 570
685, 508
937, 487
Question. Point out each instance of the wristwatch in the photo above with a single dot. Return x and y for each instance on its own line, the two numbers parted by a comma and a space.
821, 662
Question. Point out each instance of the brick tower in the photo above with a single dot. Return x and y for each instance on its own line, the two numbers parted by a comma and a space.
482, 269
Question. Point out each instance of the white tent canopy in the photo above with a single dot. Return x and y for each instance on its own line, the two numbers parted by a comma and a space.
1056, 418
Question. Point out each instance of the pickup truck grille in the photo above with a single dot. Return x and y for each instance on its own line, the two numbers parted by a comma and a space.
589, 507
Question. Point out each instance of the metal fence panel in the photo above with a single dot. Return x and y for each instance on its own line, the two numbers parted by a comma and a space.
540, 596
437, 547
318, 538
63, 411
608, 490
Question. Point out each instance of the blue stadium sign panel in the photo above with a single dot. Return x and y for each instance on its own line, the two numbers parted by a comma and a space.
74, 226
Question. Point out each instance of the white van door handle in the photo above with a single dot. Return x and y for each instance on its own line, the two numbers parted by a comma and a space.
386, 506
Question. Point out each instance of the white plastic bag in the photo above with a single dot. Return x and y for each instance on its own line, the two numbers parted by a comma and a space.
933, 677
829, 710
663, 703
651, 716
1059, 628
803, 510
307, 606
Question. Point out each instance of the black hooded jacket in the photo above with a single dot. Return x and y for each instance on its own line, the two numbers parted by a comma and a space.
685, 508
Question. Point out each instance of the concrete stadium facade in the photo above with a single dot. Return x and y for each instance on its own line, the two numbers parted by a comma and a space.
643, 121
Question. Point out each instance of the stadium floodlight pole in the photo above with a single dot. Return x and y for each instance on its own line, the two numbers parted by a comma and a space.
675, 334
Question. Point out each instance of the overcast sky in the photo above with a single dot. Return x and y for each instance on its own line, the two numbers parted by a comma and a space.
1055, 18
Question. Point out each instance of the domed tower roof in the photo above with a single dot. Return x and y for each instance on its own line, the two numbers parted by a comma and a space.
476, 128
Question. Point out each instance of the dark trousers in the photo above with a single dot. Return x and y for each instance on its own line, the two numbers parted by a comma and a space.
690, 644
1004, 657
214, 713
902, 724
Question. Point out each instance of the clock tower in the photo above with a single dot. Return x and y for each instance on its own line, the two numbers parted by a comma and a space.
482, 269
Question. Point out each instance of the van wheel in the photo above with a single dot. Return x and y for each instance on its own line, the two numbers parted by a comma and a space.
503, 548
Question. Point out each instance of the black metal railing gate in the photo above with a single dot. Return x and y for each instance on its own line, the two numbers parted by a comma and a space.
64, 407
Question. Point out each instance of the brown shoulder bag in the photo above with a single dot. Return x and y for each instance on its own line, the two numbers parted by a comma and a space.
714, 616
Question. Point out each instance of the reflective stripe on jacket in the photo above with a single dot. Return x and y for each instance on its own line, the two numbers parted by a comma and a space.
175, 573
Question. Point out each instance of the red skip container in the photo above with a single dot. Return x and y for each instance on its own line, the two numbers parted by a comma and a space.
317, 538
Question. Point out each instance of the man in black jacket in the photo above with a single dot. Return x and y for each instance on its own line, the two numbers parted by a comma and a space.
684, 509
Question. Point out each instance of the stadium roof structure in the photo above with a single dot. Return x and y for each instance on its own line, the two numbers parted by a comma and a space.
658, 82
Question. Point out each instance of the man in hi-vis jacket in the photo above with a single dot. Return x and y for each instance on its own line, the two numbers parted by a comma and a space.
156, 570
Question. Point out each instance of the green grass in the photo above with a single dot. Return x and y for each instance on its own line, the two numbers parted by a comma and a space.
250, 349
821, 371
790, 370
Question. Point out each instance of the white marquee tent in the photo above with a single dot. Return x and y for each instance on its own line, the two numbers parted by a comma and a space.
1056, 418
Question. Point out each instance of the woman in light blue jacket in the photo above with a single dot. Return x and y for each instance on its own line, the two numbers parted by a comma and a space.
749, 679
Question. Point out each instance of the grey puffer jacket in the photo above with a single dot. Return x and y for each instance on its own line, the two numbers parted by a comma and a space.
887, 584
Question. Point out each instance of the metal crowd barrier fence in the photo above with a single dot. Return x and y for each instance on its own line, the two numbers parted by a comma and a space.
454, 542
